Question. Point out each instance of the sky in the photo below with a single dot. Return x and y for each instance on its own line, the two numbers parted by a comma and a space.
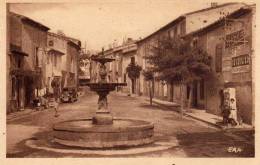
99, 23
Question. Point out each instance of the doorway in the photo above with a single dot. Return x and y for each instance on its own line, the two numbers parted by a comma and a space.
133, 85
28, 81
195, 94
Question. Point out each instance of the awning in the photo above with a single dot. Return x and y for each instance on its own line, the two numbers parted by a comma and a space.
20, 72
55, 51
56, 73
17, 50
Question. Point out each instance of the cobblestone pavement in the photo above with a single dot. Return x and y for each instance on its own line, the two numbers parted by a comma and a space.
195, 139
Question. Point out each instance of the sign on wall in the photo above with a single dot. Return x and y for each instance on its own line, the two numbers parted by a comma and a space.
234, 39
241, 64
240, 60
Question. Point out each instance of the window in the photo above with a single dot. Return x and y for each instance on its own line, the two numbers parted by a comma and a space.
188, 92
132, 60
36, 56
48, 59
49, 81
182, 28
144, 64
51, 43
124, 77
55, 60
169, 34
175, 32
13, 87
19, 62
195, 43
172, 34
218, 59
202, 89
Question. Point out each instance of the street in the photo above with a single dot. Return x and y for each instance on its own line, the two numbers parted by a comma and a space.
188, 137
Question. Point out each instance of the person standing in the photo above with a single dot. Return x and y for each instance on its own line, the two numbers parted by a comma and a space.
224, 107
56, 94
233, 111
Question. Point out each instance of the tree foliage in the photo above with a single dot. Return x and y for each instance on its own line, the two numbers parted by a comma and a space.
82, 60
148, 74
133, 70
178, 61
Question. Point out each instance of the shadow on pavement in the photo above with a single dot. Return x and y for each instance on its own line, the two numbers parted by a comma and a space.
218, 144
156, 107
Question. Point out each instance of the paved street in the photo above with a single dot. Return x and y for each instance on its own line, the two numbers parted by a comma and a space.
193, 138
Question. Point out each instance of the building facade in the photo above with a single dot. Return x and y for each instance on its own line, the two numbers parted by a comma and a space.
62, 60
26, 52
176, 29
57, 46
230, 43
73, 51
123, 55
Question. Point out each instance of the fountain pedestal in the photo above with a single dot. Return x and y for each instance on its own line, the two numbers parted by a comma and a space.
102, 118
103, 115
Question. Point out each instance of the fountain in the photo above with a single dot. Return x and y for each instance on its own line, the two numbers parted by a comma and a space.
103, 130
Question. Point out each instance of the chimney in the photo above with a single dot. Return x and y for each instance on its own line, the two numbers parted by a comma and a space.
214, 4
129, 39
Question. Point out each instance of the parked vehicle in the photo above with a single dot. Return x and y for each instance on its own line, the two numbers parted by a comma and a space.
69, 94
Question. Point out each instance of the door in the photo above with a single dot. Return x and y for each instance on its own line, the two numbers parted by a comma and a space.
195, 94
133, 86
28, 81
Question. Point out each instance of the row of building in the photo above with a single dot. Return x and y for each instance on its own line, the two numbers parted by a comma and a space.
226, 32
37, 60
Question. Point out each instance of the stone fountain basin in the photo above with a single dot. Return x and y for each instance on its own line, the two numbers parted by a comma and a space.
104, 86
122, 133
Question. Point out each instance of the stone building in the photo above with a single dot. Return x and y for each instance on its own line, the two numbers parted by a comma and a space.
176, 29
63, 59
26, 49
73, 51
230, 42
57, 47
129, 49
123, 55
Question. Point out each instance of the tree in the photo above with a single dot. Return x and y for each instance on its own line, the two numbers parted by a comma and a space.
149, 76
178, 61
82, 60
133, 71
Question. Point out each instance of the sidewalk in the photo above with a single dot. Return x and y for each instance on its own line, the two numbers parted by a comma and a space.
21, 114
201, 115
197, 114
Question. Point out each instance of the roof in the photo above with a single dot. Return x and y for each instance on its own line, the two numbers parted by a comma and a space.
236, 14
30, 21
119, 48
182, 17
76, 45
179, 19
76, 41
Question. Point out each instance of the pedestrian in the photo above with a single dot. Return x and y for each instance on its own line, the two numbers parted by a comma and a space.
56, 106
233, 112
224, 107
54, 103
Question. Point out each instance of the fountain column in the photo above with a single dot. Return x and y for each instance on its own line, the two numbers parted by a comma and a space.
103, 115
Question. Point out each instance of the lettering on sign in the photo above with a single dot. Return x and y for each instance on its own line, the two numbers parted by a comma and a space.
241, 69
240, 60
235, 39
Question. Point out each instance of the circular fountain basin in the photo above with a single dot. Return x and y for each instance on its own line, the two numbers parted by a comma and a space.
122, 133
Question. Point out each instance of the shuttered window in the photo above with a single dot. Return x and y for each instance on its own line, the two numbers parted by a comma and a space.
218, 59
